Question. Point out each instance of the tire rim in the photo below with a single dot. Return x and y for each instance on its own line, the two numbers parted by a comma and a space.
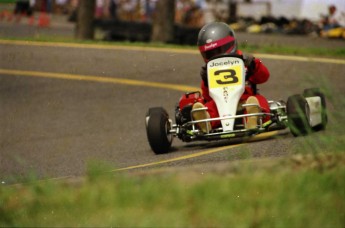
167, 130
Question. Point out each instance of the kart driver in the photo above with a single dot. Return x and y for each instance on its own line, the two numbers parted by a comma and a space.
218, 38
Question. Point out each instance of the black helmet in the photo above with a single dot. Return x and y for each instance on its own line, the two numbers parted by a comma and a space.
216, 38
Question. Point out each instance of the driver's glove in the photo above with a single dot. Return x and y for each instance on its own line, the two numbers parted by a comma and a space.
203, 74
249, 63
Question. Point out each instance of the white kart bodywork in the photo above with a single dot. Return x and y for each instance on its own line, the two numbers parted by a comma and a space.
226, 79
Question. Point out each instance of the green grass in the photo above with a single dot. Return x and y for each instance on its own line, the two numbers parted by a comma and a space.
301, 51
287, 194
7, 1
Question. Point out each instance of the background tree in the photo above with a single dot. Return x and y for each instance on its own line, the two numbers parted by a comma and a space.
163, 21
232, 11
85, 18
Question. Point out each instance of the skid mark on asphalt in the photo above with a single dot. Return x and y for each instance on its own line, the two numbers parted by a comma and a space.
167, 50
99, 79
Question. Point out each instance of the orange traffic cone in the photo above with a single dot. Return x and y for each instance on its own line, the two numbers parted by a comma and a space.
43, 20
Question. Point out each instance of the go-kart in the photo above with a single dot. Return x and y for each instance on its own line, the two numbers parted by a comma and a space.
302, 113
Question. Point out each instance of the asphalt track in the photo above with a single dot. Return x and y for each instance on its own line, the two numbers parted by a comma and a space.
64, 106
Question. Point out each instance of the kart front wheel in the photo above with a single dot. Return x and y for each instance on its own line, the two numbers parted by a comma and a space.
158, 130
298, 115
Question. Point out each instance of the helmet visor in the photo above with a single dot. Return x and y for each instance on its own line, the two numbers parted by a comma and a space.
225, 49
224, 46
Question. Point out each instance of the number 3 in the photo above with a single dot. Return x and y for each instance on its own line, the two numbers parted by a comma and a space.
231, 75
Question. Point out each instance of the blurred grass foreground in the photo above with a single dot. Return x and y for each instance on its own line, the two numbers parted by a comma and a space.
305, 191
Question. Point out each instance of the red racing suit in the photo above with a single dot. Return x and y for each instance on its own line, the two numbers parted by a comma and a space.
257, 73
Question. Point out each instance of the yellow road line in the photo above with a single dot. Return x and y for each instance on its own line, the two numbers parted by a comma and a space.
96, 46
262, 136
100, 79
169, 50
211, 151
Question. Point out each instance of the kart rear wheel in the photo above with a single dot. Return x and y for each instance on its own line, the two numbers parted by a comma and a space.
313, 92
157, 129
298, 115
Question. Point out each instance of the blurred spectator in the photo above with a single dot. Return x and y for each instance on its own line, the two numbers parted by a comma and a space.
99, 8
45, 6
334, 19
61, 6
190, 12
147, 8
23, 8
332, 25
127, 9
113, 9
73, 10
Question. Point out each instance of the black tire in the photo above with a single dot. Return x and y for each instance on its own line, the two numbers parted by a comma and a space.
298, 115
313, 92
157, 129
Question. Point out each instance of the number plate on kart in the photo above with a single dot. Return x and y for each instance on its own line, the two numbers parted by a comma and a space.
226, 79
225, 71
